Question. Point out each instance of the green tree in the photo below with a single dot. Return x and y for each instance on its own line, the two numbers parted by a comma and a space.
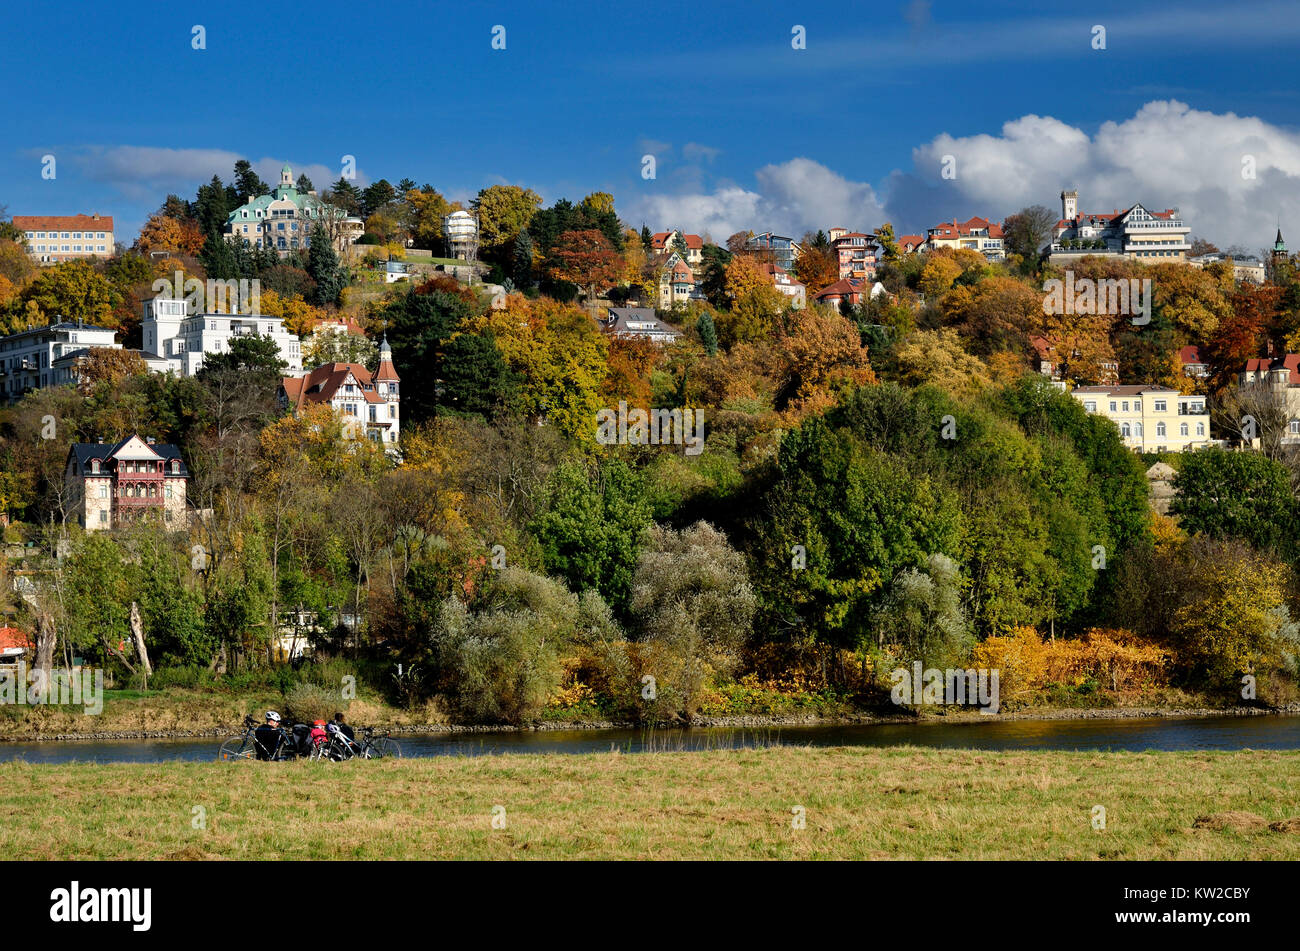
707, 333
248, 184
591, 527
323, 266
1241, 495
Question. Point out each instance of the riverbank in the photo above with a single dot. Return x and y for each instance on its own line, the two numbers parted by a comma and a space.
168, 715
855, 803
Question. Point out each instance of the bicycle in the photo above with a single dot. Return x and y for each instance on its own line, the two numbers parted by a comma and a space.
370, 746
247, 746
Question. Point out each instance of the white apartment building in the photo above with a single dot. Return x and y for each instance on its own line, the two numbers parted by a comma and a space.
1151, 418
34, 358
182, 339
55, 238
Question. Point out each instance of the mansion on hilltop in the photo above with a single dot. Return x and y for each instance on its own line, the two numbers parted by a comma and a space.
283, 220
1152, 237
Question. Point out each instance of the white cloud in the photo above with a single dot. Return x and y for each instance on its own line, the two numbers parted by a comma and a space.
1166, 155
141, 172
793, 197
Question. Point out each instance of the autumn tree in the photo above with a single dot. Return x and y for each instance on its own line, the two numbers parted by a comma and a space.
73, 290
817, 268
161, 233
996, 314
585, 258
503, 211
1027, 232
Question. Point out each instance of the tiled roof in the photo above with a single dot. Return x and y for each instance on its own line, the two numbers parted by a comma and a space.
1190, 354
322, 384
1290, 363
841, 288
620, 317
659, 241
63, 222
12, 638
80, 454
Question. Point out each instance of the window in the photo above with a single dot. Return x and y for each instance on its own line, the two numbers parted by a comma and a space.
167, 490
103, 517
1126, 406
103, 491
1160, 429
1137, 430
1200, 429
1113, 404
1295, 427
1182, 429
1125, 430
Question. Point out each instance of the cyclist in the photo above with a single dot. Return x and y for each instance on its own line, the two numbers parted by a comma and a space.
344, 728
269, 737
340, 727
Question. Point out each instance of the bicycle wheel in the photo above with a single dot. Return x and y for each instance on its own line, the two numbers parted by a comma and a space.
319, 751
339, 750
384, 748
236, 748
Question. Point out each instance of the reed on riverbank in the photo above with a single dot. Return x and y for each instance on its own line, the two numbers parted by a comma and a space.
857, 803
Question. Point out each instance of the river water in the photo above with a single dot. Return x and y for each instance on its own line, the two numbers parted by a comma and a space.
1134, 734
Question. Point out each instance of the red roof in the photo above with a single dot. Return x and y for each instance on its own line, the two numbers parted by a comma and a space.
1290, 363
1042, 346
844, 287
1190, 354
660, 241
63, 222
910, 241
11, 637
346, 324
965, 228
321, 385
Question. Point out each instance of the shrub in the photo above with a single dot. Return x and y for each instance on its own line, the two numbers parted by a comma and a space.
692, 595
1114, 659
306, 703
500, 661
1020, 660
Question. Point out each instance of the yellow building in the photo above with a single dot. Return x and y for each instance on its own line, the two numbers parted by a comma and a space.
55, 238
1151, 418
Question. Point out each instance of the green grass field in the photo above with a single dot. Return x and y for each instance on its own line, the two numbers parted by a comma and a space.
901, 803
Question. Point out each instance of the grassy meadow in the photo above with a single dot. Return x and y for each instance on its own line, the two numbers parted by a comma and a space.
898, 803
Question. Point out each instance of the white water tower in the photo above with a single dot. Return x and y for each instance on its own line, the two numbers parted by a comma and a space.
460, 233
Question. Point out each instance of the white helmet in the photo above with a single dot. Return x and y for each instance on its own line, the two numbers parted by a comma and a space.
273, 716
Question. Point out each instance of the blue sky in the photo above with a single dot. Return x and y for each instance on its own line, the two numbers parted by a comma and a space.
747, 132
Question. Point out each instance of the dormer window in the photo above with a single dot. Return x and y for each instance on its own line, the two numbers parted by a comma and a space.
94, 466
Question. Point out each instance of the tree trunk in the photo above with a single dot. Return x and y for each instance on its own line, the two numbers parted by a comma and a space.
44, 660
120, 656
137, 631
